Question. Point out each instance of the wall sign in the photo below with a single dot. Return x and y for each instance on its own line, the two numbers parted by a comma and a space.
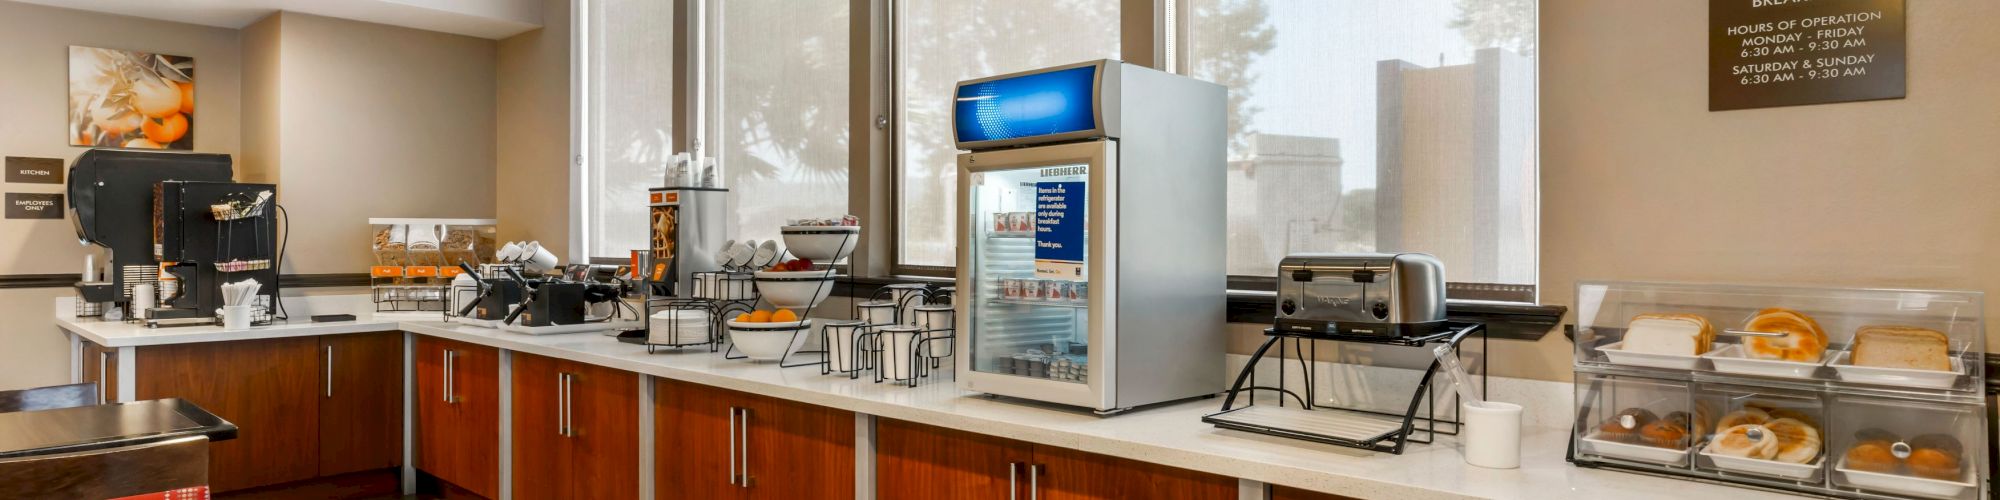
34, 170
1767, 53
34, 206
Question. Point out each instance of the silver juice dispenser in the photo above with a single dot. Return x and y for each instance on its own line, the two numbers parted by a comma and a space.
1091, 235
685, 235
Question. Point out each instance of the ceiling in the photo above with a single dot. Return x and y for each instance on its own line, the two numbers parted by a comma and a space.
493, 19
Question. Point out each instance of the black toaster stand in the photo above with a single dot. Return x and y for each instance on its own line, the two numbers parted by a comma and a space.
1350, 427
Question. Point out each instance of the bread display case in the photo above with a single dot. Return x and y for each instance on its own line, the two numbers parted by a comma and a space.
1838, 392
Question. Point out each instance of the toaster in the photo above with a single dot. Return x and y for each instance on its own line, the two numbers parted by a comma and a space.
1361, 294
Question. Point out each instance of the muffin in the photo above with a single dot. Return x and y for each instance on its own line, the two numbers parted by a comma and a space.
1872, 456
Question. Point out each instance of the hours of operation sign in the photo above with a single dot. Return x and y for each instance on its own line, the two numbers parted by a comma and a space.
1766, 53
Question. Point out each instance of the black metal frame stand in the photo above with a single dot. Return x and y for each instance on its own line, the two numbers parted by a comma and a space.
1305, 347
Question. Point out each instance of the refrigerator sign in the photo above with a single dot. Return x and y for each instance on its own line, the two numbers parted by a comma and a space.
1059, 224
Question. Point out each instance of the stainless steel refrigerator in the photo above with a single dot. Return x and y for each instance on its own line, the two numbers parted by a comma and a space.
1091, 235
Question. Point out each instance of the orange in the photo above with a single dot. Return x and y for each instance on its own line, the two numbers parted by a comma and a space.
155, 97
743, 318
187, 96
166, 130
784, 316
760, 317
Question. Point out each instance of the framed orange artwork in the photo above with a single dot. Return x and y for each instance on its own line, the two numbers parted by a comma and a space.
130, 99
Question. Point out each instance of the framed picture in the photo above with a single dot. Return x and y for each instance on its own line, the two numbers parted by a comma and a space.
130, 99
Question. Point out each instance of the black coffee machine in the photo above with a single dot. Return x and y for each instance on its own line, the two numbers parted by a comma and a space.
176, 213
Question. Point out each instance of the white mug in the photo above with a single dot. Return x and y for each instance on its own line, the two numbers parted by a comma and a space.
536, 259
508, 252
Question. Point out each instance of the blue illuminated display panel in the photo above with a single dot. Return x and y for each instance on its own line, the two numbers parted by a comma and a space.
1050, 103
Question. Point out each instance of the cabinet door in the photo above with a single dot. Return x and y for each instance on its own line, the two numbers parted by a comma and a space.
694, 442
916, 461
100, 366
458, 411
268, 388
604, 432
1065, 474
361, 402
541, 446
797, 450
1284, 493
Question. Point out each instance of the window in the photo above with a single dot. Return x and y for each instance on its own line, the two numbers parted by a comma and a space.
942, 42
779, 110
1377, 125
628, 92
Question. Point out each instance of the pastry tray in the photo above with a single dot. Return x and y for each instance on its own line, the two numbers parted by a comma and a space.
1616, 354
1903, 377
1905, 485
1773, 468
1730, 359
1634, 452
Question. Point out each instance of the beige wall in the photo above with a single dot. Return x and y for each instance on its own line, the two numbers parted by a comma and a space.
532, 102
371, 121
34, 95
1642, 182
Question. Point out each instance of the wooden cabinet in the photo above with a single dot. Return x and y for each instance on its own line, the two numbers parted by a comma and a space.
269, 388
100, 366
458, 413
575, 428
918, 461
1284, 493
361, 402
717, 443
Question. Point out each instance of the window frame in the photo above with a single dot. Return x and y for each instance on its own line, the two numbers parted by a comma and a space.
1165, 40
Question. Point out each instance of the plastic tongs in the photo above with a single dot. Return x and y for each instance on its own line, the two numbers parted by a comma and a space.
1459, 379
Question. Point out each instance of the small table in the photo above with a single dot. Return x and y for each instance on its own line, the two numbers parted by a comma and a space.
85, 428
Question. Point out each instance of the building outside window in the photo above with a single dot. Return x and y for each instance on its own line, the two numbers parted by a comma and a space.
1384, 125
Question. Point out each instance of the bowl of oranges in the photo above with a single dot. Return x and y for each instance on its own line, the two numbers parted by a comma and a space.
766, 335
794, 284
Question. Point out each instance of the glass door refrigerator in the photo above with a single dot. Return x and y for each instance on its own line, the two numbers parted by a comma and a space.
1091, 236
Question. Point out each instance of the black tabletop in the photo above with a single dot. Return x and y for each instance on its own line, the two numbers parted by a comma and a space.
84, 428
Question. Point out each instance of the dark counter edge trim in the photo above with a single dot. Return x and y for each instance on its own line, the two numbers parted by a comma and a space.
286, 281
1504, 320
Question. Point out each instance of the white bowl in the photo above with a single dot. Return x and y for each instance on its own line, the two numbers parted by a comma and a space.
1634, 452
821, 244
1616, 353
794, 290
1730, 359
1907, 485
766, 341
1929, 379
767, 253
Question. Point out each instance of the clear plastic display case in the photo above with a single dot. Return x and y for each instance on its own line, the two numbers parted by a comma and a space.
1840, 392
416, 259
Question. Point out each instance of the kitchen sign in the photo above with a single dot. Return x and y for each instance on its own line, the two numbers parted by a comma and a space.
1769, 53
34, 206
34, 170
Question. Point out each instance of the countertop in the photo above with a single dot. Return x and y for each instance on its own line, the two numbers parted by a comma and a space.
1172, 434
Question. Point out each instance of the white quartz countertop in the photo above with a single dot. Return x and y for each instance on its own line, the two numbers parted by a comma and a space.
1172, 435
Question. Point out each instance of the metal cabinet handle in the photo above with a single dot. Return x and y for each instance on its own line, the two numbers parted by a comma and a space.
103, 363
733, 445
329, 370
562, 381
1034, 481
569, 401
447, 376
745, 429
1013, 481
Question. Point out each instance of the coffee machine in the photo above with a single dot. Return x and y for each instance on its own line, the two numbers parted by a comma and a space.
173, 220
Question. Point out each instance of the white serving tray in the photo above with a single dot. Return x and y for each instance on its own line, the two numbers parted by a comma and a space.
1928, 379
1773, 468
1634, 452
1730, 359
482, 323
1615, 352
1906, 485
576, 328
